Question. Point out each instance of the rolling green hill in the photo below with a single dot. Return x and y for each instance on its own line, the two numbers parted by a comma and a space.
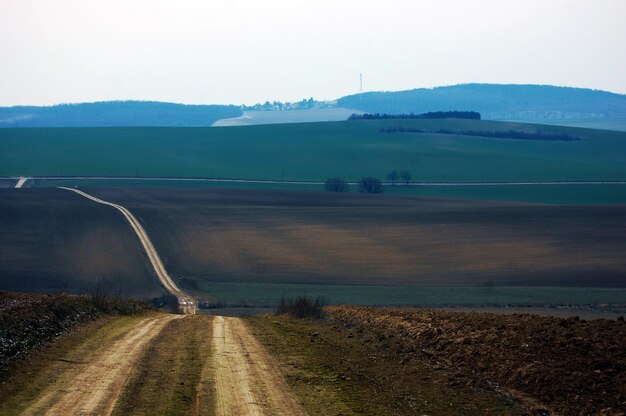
316, 151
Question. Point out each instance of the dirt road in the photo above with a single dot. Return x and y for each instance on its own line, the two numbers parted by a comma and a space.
246, 379
186, 303
21, 181
92, 388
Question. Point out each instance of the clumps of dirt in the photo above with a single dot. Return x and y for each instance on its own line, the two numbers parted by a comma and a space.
568, 366
30, 321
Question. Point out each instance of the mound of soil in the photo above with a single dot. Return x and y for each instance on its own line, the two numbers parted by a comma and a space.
566, 366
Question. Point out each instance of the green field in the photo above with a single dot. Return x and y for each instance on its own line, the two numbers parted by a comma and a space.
268, 294
316, 151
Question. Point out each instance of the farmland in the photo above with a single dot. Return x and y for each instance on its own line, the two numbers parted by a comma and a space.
251, 247
315, 151
308, 237
53, 241
410, 357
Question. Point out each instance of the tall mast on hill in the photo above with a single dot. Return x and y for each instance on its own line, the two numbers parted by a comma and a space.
361, 82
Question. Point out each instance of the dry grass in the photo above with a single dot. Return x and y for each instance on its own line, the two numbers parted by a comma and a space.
335, 372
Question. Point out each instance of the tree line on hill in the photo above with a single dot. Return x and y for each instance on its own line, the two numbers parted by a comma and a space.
496, 102
508, 134
368, 184
492, 101
470, 115
116, 113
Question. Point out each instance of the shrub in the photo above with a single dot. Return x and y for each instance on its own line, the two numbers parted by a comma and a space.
336, 185
102, 295
371, 185
302, 307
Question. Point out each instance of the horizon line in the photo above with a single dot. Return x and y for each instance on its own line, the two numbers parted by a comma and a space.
131, 100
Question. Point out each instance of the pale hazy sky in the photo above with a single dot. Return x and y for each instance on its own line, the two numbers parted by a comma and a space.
246, 51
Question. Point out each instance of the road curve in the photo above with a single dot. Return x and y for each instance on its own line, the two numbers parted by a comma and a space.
186, 303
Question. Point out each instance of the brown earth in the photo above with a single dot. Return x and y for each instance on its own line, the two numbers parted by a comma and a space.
336, 372
567, 366
54, 241
313, 237
186, 303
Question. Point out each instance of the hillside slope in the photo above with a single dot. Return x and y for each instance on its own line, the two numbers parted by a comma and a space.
316, 151
54, 240
245, 236
115, 113
530, 103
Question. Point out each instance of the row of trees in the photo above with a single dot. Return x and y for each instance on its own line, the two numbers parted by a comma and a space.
394, 177
368, 184
508, 134
471, 115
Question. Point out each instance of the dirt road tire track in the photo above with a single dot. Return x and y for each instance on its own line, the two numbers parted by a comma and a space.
246, 378
186, 302
98, 384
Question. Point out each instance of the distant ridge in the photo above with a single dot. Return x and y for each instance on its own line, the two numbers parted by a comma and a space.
544, 104
116, 113
531, 103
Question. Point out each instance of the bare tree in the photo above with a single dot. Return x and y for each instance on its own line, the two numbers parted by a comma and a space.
393, 177
406, 176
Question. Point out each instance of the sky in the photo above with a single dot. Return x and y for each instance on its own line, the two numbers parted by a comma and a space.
249, 51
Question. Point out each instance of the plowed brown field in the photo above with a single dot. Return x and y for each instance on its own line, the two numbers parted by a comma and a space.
52, 239
570, 366
313, 237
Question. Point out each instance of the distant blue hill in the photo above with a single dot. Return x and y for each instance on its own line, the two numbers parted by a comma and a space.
530, 103
116, 113
543, 104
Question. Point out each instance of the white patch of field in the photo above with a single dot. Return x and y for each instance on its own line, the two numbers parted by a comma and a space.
282, 117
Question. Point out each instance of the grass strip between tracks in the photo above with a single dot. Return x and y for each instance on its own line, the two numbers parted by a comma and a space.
171, 378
